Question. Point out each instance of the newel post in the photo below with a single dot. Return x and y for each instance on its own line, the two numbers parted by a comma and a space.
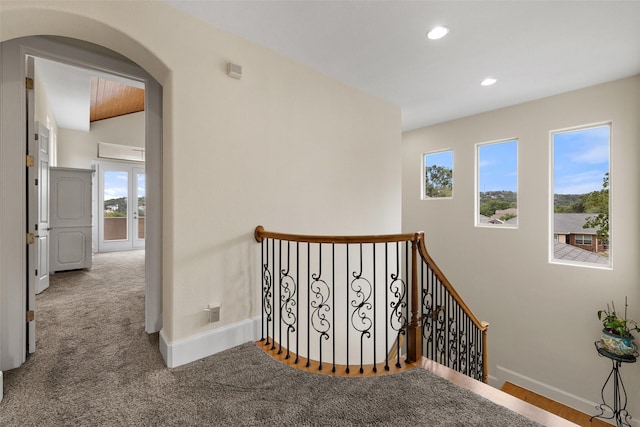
414, 344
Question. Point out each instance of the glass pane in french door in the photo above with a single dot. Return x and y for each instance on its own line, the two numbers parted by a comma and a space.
141, 204
116, 194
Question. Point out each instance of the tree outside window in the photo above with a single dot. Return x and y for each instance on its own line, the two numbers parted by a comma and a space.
438, 175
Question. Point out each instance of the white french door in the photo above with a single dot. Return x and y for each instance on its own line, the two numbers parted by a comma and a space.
121, 206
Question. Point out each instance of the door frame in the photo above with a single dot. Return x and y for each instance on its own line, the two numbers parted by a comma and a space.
13, 261
136, 241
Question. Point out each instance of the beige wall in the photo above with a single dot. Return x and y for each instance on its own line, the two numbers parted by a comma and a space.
284, 147
543, 316
77, 149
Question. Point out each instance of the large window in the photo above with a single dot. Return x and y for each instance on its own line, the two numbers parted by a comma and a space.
497, 184
581, 205
438, 175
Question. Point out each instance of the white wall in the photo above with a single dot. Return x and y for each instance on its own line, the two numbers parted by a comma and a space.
284, 147
543, 316
77, 149
44, 115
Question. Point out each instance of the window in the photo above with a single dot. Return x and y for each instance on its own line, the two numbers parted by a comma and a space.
580, 185
497, 184
583, 239
438, 175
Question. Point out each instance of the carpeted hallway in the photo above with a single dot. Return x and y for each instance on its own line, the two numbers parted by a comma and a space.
96, 366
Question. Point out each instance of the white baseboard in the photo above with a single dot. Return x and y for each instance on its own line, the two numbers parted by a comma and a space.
576, 402
190, 349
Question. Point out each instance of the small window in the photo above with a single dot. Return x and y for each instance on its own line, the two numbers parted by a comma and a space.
497, 184
438, 175
580, 185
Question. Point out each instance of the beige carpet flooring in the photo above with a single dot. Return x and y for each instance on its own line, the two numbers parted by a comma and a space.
95, 366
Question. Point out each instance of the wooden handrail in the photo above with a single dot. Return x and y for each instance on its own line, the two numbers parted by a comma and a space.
261, 234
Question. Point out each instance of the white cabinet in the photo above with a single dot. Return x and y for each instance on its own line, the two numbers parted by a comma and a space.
70, 234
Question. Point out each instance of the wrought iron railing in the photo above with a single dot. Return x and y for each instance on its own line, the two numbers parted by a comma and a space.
348, 302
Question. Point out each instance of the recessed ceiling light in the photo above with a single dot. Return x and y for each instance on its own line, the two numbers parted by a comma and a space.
488, 81
437, 33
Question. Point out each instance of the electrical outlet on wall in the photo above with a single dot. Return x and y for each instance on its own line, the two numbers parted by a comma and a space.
214, 312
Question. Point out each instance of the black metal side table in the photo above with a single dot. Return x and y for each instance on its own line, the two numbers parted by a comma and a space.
619, 409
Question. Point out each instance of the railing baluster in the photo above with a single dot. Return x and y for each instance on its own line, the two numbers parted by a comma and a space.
298, 302
375, 274
406, 297
280, 295
333, 301
262, 277
415, 335
309, 307
386, 307
273, 293
347, 287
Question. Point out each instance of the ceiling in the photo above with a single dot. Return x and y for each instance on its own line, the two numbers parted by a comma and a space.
112, 99
79, 96
533, 48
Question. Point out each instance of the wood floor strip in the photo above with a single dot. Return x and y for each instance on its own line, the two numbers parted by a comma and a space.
566, 412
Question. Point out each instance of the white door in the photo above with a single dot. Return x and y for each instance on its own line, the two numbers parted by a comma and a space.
42, 194
121, 206
37, 208
71, 231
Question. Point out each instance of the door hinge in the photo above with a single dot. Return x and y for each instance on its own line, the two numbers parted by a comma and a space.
36, 181
28, 83
31, 315
36, 136
31, 238
36, 226
36, 273
29, 161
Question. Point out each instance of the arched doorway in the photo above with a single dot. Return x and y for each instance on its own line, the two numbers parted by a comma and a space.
13, 224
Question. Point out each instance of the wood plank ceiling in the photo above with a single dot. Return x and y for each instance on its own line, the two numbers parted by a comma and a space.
110, 99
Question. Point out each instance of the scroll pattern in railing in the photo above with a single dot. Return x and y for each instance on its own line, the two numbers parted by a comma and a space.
361, 301
353, 299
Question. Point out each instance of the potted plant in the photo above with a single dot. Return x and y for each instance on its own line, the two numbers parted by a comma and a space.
616, 332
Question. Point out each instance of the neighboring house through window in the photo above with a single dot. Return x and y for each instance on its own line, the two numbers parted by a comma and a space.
497, 183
